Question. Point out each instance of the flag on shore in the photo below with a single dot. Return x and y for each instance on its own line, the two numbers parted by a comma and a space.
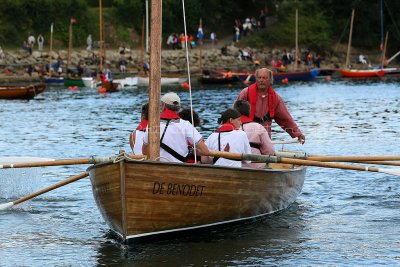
73, 20
200, 32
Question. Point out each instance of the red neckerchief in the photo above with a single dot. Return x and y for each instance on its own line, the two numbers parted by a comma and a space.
245, 119
252, 98
169, 115
142, 126
226, 127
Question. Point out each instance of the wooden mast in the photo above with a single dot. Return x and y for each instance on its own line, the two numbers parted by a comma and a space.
297, 40
142, 48
155, 79
384, 51
51, 47
350, 36
101, 35
69, 44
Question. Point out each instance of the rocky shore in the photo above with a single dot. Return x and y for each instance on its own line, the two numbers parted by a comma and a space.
13, 64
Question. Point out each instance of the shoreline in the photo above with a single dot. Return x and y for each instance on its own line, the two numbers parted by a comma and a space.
13, 63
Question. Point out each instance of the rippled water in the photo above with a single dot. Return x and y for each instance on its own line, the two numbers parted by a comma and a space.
341, 218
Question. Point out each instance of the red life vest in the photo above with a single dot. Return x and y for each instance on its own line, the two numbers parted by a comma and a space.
142, 126
169, 115
226, 127
252, 98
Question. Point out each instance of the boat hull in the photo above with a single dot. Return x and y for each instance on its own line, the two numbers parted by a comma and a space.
361, 73
21, 92
143, 199
144, 81
73, 82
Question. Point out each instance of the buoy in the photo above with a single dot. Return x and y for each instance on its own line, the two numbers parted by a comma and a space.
102, 90
75, 88
328, 78
69, 87
286, 80
185, 85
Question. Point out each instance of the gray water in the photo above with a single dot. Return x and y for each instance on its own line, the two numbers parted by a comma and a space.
342, 218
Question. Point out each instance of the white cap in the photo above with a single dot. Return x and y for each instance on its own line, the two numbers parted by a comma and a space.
171, 98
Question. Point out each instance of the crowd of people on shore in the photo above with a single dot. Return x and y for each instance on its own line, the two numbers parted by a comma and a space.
243, 128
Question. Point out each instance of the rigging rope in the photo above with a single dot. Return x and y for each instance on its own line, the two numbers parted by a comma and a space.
189, 81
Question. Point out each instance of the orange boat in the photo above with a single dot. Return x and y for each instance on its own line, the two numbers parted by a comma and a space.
353, 73
21, 92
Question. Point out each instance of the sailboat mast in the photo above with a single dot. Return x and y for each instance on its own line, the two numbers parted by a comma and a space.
350, 36
69, 45
383, 63
51, 47
142, 46
101, 34
155, 79
297, 39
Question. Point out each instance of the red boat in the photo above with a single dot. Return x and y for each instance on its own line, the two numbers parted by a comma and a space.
350, 73
21, 92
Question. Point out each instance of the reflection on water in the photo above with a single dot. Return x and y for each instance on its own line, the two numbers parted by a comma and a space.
341, 218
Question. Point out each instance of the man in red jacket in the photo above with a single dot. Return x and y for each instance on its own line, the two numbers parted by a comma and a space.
266, 105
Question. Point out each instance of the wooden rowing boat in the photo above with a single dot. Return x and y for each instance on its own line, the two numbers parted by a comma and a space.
21, 92
111, 87
149, 199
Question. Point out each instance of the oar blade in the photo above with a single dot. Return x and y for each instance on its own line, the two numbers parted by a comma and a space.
6, 206
16, 160
391, 171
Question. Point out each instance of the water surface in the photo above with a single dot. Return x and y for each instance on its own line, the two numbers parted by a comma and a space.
341, 218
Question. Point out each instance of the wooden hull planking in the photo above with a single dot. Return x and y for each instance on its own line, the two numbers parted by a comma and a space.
137, 202
21, 92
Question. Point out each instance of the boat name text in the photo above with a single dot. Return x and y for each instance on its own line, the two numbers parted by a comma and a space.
178, 189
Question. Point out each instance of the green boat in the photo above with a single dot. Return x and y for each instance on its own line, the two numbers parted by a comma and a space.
73, 82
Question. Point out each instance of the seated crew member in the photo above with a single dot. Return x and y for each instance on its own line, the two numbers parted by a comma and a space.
260, 142
229, 138
175, 132
136, 137
186, 114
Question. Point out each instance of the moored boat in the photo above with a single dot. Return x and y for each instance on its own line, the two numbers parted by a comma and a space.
21, 92
355, 73
69, 81
128, 81
54, 79
111, 87
144, 81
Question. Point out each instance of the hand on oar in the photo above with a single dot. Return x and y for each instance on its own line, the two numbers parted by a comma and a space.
45, 190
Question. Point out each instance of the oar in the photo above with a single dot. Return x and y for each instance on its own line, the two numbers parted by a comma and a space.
247, 79
384, 160
277, 159
45, 190
76, 161
9, 160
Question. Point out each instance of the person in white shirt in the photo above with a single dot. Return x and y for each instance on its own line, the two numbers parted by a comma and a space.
175, 133
228, 138
136, 137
